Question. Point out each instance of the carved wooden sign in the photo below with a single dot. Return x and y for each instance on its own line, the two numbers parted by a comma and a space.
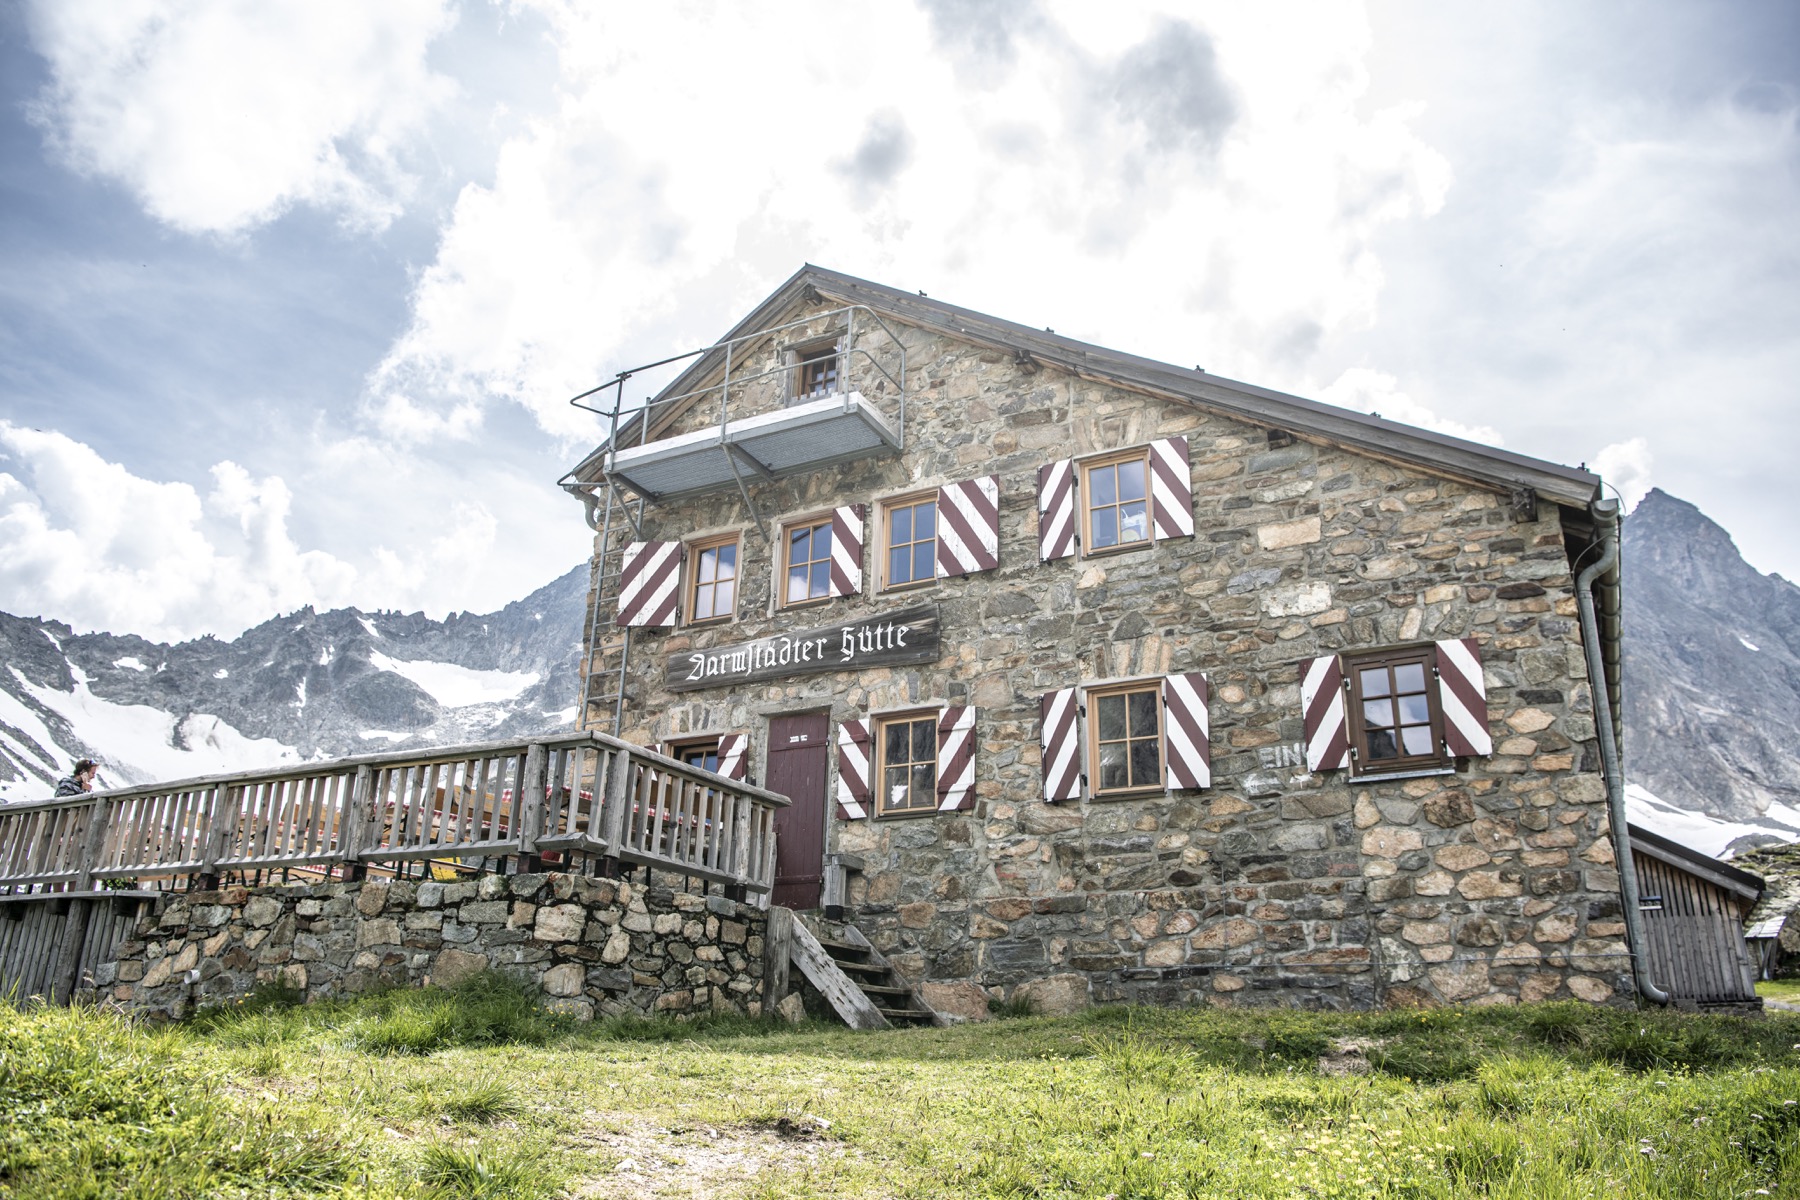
911, 636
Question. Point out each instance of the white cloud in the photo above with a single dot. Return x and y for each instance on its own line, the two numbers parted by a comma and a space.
85, 541
219, 114
1377, 392
1617, 260
1626, 466
1209, 187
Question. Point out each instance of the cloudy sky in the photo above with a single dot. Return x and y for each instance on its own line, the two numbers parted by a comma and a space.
293, 292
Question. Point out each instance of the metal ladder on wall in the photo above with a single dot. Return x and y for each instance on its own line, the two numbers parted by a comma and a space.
605, 669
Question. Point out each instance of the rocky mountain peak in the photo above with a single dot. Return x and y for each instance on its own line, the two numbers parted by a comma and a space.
307, 684
1712, 672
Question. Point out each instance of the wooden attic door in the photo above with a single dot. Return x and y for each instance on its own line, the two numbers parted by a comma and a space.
799, 747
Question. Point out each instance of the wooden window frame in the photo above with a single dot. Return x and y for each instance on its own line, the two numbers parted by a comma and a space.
691, 587
1084, 495
1091, 698
884, 541
878, 764
680, 749
812, 521
1439, 760
805, 355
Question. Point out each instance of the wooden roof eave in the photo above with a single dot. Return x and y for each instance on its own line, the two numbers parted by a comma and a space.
1720, 874
1309, 420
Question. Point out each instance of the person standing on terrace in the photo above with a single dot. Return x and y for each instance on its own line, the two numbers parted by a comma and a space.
80, 780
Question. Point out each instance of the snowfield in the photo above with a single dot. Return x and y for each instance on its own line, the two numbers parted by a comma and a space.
137, 743
1697, 831
457, 687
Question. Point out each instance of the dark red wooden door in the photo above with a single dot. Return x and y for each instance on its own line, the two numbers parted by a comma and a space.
798, 752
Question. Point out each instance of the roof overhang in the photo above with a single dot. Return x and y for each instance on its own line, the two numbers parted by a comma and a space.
1683, 858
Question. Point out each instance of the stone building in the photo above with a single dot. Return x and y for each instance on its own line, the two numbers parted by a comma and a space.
1096, 679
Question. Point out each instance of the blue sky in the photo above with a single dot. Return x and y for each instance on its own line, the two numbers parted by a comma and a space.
294, 293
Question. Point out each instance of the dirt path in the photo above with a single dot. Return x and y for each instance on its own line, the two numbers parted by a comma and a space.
642, 1160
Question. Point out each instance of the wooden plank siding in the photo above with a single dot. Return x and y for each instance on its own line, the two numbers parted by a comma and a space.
33, 933
1695, 939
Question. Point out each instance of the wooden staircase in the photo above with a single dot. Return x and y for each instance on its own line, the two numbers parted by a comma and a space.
834, 956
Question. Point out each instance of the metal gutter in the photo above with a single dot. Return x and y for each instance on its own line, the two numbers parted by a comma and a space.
1601, 645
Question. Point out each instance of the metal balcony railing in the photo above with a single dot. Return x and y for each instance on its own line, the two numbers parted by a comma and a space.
772, 421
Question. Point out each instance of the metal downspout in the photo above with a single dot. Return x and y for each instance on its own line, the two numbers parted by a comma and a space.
1606, 520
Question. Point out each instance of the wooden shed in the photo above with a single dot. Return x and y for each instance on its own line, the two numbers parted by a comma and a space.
1693, 910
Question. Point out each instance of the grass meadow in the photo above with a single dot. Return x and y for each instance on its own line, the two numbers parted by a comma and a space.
478, 1093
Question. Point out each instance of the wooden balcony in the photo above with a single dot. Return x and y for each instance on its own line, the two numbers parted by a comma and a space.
582, 796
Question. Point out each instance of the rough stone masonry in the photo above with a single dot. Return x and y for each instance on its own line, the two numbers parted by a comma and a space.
592, 946
1492, 884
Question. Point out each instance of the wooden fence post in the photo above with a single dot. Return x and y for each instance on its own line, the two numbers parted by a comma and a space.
68, 951
359, 821
224, 821
531, 806
99, 813
778, 947
614, 808
75, 922
740, 849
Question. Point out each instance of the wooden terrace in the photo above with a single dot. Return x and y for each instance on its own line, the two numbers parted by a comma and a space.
589, 800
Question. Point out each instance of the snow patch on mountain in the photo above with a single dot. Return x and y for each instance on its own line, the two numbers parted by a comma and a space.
143, 743
1710, 835
26, 734
454, 686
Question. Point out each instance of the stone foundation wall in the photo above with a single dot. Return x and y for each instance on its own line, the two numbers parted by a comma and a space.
593, 946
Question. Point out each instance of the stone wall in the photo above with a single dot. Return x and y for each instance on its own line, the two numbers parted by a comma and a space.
1276, 885
594, 947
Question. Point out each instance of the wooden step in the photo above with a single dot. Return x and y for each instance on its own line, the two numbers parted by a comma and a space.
861, 968
834, 948
878, 989
904, 1014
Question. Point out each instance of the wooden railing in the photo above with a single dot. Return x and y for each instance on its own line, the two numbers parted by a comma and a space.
581, 795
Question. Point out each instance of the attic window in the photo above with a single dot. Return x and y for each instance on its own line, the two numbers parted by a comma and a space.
816, 373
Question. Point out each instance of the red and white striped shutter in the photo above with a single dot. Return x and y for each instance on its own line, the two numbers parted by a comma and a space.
1171, 489
1187, 734
1059, 735
853, 770
956, 759
1322, 714
650, 584
968, 526
734, 755
847, 526
1462, 691
1056, 510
